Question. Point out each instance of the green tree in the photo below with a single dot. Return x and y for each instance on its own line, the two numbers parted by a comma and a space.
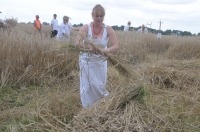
45, 23
168, 32
186, 33
122, 27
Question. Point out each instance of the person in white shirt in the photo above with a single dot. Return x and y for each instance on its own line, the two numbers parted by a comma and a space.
64, 30
143, 29
54, 26
127, 27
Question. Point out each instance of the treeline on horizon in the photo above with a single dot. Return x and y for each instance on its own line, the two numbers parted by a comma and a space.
154, 31
150, 30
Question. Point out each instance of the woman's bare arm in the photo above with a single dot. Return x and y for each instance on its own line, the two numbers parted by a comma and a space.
82, 33
113, 38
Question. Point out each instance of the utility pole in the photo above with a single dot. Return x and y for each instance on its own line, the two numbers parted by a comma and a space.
159, 37
160, 25
149, 24
159, 32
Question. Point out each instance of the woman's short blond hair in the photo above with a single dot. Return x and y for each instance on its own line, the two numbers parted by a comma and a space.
97, 8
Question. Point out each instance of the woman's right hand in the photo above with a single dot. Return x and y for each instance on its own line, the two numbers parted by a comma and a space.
92, 49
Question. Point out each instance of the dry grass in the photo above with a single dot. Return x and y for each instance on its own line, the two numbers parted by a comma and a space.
116, 112
30, 60
185, 48
11, 22
40, 86
171, 75
8, 24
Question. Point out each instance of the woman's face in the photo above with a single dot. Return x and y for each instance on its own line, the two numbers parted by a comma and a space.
98, 16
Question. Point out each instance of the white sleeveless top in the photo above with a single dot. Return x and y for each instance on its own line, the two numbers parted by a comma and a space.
100, 43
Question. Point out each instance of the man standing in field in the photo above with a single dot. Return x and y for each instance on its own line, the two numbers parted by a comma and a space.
54, 26
64, 30
37, 24
127, 27
143, 29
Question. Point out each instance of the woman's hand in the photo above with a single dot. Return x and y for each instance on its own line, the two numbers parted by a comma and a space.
92, 49
105, 50
79, 45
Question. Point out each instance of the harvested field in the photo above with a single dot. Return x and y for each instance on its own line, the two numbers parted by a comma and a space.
40, 85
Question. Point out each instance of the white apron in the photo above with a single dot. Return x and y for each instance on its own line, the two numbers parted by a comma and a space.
93, 72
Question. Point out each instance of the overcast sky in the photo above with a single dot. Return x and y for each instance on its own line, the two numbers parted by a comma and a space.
175, 14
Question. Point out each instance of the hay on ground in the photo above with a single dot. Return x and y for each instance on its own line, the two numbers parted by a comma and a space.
179, 78
116, 112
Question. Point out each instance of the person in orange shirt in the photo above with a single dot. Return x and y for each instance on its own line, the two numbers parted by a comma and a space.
37, 24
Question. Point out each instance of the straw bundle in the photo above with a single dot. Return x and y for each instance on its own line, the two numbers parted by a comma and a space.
123, 68
117, 112
120, 66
